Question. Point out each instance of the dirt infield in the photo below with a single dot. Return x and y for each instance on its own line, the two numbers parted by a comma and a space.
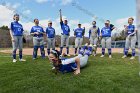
28, 51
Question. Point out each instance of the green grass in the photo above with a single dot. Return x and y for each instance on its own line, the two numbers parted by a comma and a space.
101, 75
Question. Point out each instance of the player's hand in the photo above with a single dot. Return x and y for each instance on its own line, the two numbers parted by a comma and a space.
36, 33
77, 72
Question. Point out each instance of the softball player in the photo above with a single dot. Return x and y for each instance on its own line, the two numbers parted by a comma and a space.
38, 40
16, 32
65, 34
94, 33
50, 32
72, 64
130, 39
106, 38
79, 33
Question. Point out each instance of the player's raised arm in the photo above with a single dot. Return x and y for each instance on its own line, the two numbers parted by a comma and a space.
60, 15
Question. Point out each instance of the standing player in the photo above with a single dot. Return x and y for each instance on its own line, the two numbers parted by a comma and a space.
72, 64
106, 38
94, 33
79, 33
130, 39
16, 32
50, 32
38, 39
65, 34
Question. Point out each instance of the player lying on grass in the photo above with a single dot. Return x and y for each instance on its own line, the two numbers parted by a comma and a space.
74, 64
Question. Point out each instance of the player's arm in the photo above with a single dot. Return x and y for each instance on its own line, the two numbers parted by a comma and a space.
112, 27
101, 33
77, 71
98, 32
43, 32
54, 33
89, 33
60, 15
135, 31
74, 32
69, 31
83, 31
12, 38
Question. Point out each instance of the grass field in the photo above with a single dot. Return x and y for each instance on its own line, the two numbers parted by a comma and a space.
101, 75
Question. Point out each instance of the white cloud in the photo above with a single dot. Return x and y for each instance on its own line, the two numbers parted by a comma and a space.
65, 2
6, 16
16, 5
26, 12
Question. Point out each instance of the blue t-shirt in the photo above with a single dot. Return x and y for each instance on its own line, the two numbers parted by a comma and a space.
79, 32
38, 29
50, 32
68, 67
65, 28
106, 32
130, 29
17, 29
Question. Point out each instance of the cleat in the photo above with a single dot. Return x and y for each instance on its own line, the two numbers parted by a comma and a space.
110, 56
14, 60
53, 68
132, 58
102, 55
34, 58
22, 60
124, 56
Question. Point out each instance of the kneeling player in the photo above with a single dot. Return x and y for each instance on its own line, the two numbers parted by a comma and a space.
72, 64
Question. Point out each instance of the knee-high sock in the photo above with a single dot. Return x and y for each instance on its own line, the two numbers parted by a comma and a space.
14, 54
103, 51
75, 50
61, 50
67, 50
126, 51
133, 52
48, 50
79, 49
42, 51
20, 54
109, 51
35, 51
